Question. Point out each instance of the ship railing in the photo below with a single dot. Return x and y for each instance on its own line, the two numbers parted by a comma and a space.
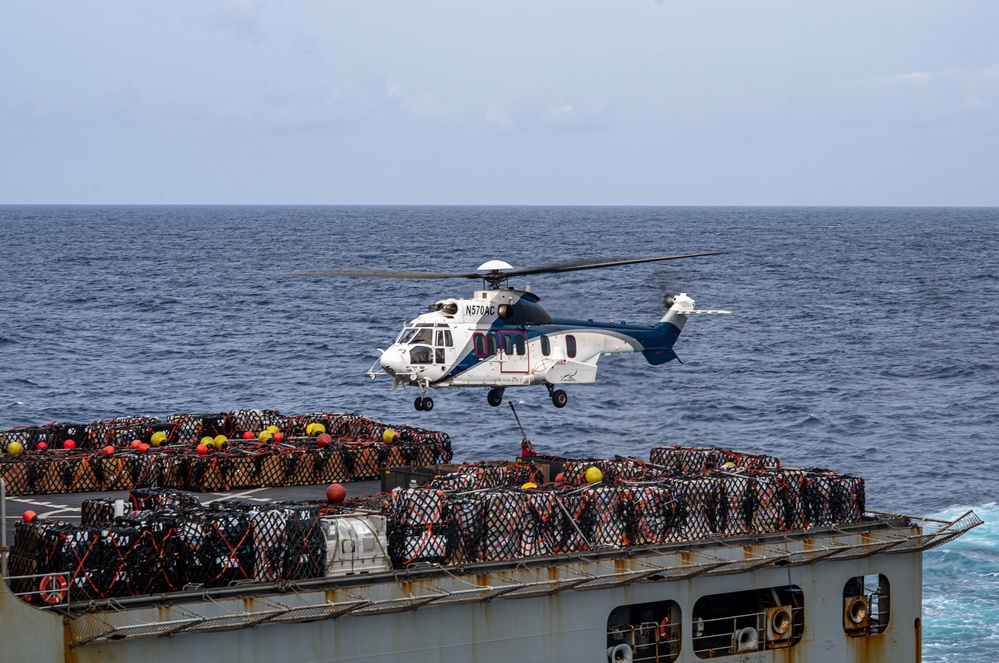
741, 634
51, 590
647, 641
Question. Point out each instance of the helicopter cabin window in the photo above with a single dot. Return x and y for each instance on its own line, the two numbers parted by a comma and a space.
421, 354
491, 344
520, 344
546, 346
422, 336
438, 355
570, 346
444, 338
479, 344
508, 344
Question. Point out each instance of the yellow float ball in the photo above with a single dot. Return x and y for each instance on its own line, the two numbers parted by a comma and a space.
158, 438
15, 448
315, 429
265, 435
388, 436
208, 441
593, 475
220, 440
273, 429
310, 428
529, 485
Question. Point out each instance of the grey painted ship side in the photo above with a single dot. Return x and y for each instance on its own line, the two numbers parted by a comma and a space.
544, 609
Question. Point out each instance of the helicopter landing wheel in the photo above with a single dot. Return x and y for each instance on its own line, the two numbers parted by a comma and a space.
495, 396
418, 403
559, 398
428, 404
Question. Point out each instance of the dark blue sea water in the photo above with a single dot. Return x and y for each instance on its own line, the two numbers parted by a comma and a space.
863, 340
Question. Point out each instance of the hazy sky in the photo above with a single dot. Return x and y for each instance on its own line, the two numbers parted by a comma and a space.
704, 102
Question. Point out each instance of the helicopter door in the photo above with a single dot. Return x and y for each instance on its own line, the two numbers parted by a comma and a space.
513, 352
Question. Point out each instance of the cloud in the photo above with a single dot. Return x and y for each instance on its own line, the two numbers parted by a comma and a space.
986, 77
240, 17
578, 116
419, 104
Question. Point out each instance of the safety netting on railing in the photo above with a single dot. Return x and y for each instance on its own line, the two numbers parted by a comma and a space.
225, 451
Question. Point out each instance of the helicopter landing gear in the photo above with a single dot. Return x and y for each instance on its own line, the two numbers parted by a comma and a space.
424, 403
559, 397
495, 396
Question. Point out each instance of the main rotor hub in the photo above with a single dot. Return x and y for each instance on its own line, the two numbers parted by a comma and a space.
495, 278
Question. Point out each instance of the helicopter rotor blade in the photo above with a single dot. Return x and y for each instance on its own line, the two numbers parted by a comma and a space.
576, 265
571, 266
388, 274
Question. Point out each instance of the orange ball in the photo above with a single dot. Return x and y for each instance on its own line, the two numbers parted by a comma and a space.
336, 493
42, 446
69, 444
28, 516
143, 448
248, 435
323, 439
108, 450
202, 449
278, 436
136, 444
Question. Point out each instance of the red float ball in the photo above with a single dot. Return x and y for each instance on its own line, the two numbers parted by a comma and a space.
143, 448
28, 516
42, 446
278, 437
335, 493
136, 444
202, 449
560, 478
108, 450
69, 444
323, 439
248, 435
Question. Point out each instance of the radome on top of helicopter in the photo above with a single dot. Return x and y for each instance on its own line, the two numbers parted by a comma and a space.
502, 337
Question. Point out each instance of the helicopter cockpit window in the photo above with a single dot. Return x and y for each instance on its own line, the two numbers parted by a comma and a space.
421, 354
546, 346
520, 345
423, 336
570, 346
439, 355
444, 338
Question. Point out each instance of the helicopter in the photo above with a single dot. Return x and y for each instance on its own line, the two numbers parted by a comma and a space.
502, 337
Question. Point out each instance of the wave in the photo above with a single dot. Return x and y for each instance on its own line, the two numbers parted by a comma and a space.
961, 592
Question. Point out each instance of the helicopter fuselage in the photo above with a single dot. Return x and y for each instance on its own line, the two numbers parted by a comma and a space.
505, 338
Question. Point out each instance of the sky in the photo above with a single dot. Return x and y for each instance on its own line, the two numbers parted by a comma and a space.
535, 102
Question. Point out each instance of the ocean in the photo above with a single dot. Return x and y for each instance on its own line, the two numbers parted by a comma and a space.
861, 340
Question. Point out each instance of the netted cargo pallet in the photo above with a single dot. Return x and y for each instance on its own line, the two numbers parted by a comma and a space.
698, 460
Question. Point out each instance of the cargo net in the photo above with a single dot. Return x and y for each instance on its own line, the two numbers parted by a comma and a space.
167, 544
477, 476
696, 460
478, 514
139, 452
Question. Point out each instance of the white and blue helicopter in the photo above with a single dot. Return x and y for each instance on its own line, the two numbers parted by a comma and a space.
502, 337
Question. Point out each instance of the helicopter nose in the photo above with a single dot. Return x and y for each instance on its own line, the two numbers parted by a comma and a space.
393, 360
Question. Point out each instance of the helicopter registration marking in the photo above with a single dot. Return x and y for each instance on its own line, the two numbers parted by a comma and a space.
479, 309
